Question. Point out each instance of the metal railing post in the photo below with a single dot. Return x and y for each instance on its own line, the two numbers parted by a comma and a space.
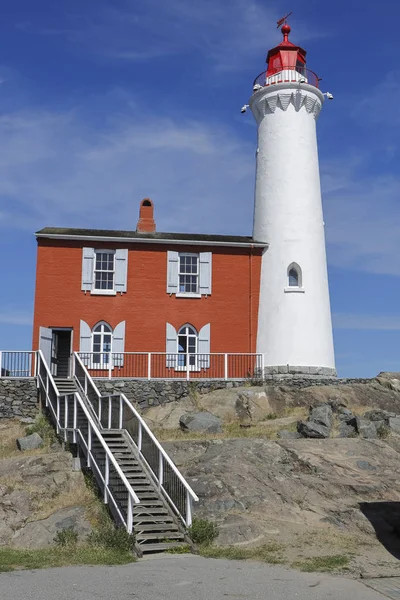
226, 366
75, 417
58, 414
160, 470
149, 365
188, 509
106, 479
129, 516
140, 437
109, 412
263, 366
65, 417
89, 445
121, 410
109, 365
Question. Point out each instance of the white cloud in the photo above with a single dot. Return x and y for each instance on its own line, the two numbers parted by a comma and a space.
57, 169
9, 317
366, 322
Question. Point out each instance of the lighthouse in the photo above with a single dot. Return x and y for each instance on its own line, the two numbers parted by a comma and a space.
294, 332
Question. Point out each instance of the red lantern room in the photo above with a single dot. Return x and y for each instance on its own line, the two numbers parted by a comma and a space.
286, 55
286, 63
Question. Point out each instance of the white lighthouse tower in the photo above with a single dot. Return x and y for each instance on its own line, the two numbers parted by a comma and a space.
294, 323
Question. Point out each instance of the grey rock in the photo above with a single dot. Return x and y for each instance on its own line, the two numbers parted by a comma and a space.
378, 415
30, 442
394, 424
202, 421
310, 429
364, 465
288, 435
41, 534
366, 429
346, 431
322, 415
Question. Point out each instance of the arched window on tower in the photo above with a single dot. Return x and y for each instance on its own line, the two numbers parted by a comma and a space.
187, 346
294, 276
102, 335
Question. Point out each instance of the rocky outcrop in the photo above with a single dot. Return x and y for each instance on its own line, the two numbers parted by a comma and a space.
39, 495
303, 494
202, 421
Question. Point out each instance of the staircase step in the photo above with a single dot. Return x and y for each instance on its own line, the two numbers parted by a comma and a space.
152, 518
154, 527
159, 547
165, 535
156, 506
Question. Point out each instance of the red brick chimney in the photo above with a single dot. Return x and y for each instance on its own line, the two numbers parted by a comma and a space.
146, 223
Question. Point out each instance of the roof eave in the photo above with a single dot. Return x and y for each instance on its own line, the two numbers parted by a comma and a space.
97, 238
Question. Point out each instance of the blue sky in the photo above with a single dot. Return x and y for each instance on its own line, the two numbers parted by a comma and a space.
104, 103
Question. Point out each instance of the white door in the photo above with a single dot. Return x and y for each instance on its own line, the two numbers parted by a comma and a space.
45, 343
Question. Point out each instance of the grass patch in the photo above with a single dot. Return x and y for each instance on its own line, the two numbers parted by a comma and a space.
269, 553
11, 559
184, 549
324, 564
203, 532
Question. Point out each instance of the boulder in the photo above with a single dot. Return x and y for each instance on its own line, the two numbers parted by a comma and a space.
310, 429
202, 421
288, 435
379, 415
366, 428
346, 430
322, 415
30, 442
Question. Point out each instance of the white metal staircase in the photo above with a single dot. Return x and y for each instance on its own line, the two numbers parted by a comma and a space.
145, 491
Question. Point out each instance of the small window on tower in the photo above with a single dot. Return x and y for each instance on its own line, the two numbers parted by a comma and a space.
294, 277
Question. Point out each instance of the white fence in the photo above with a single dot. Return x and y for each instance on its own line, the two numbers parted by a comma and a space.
161, 365
15, 363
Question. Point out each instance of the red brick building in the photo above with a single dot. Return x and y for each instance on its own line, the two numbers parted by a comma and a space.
101, 291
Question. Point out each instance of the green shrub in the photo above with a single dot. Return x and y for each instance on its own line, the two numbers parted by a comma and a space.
383, 431
203, 531
112, 538
43, 427
66, 537
270, 417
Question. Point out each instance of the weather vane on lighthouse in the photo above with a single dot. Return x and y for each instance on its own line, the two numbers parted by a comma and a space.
283, 20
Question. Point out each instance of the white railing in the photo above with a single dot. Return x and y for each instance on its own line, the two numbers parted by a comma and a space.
116, 412
161, 365
15, 363
71, 416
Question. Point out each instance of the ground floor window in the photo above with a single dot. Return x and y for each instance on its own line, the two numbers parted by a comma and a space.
187, 346
101, 345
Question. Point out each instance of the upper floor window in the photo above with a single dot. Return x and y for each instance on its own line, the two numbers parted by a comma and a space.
104, 271
189, 274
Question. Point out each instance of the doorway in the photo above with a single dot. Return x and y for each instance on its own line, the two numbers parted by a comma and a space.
56, 345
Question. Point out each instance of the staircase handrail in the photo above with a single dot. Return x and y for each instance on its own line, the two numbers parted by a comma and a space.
159, 447
88, 380
93, 425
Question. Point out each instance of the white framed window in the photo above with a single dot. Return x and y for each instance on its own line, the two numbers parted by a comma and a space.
294, 281
189, 274
102, 335
104, 270
187, 348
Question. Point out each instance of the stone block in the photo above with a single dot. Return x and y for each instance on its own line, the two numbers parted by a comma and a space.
323, 415
283, 368
299, 370
309, 429
366, 429
202, 421
30, 442
394, 424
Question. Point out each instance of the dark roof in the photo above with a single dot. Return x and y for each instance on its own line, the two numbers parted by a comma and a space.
157, 236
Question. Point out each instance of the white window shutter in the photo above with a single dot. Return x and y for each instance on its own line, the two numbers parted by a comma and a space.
85, 343
121, 270
172, 272
205, 272
118, 345
87, 269
204, 347
171, 346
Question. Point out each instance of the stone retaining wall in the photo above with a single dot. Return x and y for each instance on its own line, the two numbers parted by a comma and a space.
146, 393
18, 398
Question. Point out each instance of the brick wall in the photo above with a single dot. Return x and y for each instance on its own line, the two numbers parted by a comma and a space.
232, 308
